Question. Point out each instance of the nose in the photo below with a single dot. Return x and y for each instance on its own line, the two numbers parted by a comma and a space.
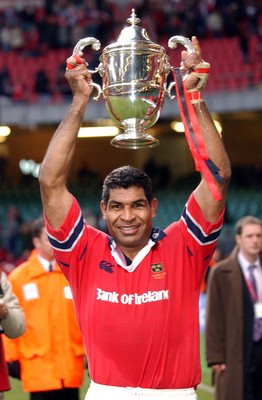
127, 214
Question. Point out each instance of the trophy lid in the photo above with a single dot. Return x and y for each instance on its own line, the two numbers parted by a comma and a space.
133, 37
133, 33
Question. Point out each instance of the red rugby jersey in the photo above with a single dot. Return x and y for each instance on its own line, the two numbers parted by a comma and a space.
140, 329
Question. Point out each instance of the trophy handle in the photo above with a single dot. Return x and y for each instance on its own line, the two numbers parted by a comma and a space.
172, 44
95, 43
175, 40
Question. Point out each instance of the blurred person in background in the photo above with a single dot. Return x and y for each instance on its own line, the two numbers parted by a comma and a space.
234, 317
12, 230
12, 325
49, 356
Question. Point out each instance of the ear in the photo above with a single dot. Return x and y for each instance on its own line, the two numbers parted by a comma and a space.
237, 239
103, 209
154, 206
35, 242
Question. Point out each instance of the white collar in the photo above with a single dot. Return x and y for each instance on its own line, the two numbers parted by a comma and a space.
120, 258
45, 263
244, 264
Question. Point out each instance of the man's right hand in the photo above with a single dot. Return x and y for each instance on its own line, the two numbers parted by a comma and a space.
78, 76
217, 368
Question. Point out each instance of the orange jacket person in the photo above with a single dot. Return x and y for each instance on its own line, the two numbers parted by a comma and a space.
50, 353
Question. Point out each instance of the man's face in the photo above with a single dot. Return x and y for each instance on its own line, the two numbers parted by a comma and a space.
250, 240
129, 218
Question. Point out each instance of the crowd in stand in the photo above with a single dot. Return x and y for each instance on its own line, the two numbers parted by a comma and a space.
60, 24
35, 29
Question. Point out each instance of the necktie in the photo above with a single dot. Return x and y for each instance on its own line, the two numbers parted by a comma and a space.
257, 330
51, 268
252, 280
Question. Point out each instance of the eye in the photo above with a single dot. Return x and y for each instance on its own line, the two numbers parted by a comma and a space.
116, 206
139, 205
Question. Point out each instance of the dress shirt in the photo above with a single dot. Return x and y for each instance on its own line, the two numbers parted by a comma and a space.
244, 264
45, 263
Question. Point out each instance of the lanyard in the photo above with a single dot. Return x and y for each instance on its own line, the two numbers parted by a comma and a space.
251, 291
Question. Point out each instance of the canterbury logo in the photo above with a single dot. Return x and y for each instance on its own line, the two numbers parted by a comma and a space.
106, 266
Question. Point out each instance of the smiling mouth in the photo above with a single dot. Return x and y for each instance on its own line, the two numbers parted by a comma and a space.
128, 229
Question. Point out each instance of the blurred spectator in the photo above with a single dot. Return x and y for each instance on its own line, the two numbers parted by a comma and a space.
31, 37
16, 39
231, 12
160, 174
62, 86
233, 316
50, 354
256, 177
6, 88
3, 253
12, 230
226, 242
243, 36
12, 325
4, 157
90, 218
42, 85
214, 23
252, 12
217, 256
102, 224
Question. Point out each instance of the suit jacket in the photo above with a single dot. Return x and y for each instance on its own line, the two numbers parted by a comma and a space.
229, 326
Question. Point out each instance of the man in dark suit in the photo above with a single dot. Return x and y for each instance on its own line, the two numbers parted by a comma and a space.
234, 317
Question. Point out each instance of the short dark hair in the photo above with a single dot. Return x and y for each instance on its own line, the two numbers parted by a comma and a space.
247, 220
37, 227
126, 177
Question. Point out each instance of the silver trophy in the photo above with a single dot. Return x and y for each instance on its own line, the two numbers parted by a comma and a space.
134, 73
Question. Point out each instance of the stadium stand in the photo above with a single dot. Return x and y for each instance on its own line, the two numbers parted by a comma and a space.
41, 36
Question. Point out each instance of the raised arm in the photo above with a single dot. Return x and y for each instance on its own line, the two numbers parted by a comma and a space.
214, 145
55, 167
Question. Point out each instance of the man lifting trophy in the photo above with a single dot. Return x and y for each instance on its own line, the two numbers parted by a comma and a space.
136, 288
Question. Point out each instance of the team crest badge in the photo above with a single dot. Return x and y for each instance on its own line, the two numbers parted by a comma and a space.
157, 267
158, 271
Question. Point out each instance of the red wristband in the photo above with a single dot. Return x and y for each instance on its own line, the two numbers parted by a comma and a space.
195, 97
78, 62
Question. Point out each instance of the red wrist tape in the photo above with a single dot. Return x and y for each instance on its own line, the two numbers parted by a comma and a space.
195, 97
78, 62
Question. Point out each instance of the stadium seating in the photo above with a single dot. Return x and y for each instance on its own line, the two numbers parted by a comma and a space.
230, 71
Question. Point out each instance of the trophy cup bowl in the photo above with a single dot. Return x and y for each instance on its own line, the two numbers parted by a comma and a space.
134, 72
134, 89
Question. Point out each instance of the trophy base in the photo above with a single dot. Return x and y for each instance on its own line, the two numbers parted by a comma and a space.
134, 141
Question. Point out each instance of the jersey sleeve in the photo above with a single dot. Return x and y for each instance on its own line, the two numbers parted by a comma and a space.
198, 239
68, 239
199, 232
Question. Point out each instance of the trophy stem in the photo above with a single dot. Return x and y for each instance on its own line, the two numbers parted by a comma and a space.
134, 137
